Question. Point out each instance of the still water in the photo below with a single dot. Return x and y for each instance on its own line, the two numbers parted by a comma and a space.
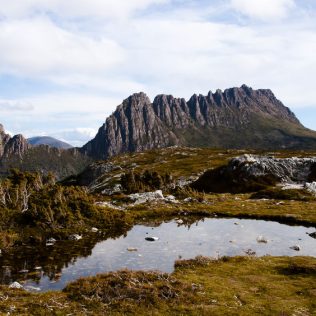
52, 267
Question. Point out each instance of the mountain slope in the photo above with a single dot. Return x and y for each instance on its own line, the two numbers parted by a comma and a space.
236, 118
49, 141
16, 152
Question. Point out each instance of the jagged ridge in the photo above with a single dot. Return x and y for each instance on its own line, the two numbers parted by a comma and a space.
236, 118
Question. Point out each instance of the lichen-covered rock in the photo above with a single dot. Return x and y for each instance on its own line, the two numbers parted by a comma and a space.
16, 285
139, 198
250, 173
311, 187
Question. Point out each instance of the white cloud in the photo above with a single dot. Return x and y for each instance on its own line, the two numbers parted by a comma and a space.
263, 9
111, 53
15, 105
38, 47
77, 136
75, 8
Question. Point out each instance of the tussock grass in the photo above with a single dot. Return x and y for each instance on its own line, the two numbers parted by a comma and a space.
201, 286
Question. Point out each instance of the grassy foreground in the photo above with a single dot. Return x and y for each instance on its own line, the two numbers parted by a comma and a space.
202, 286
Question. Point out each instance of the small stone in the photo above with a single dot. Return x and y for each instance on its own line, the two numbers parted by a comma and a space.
94, 230
313, 235
179, 221
261, 239
151, 238
15, 285
295, 247
250, 252
75, 237
131, 249
51, 240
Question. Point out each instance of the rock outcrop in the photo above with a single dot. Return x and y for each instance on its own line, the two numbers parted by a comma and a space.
236, 118
16, 145
250, 173
4, 139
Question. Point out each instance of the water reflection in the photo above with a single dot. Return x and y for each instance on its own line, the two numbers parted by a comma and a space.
54, 266
30, 264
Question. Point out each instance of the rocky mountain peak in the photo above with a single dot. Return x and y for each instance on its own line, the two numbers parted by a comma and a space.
136, 100
17, 145
235, 117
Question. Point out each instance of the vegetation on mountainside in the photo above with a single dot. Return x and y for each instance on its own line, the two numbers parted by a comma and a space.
132, 182
45, 159
201, 286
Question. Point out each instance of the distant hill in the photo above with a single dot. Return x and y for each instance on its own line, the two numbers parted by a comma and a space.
49, 141
234, 118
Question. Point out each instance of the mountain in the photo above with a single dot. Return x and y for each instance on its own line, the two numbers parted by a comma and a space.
49, 141
17, 152
16, 145
234, 118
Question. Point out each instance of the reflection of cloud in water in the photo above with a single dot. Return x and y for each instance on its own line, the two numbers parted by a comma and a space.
211, 237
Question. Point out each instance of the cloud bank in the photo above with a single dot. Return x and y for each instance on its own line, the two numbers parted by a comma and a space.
77, 60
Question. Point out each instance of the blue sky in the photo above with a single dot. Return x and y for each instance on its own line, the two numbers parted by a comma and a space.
66, 65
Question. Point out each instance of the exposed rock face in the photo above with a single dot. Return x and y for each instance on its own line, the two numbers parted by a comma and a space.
251, 173
132, 127
17, 145
235, 118
4, 138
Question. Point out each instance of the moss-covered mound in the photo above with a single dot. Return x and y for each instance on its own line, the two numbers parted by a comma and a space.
224, 180
280, 194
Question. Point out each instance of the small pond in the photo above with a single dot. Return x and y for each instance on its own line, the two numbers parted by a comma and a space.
52, 267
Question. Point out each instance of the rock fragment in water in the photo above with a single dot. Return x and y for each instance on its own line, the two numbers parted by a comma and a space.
261, 239
131, 249
16, 285
295, 247
313, 235
151, 238
75, 237
179, 221
250, 252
